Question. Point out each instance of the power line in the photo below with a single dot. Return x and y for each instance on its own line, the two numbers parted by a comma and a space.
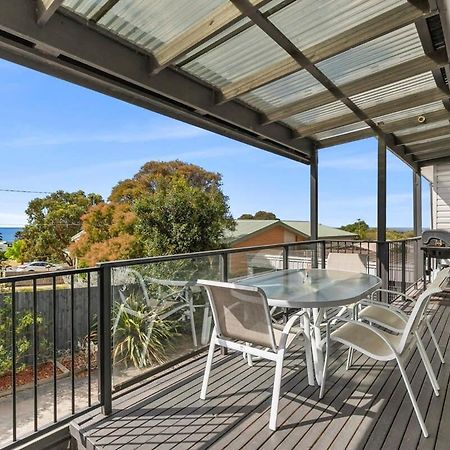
26, 192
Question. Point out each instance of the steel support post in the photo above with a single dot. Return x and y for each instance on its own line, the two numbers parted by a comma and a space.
314, 204
417, 222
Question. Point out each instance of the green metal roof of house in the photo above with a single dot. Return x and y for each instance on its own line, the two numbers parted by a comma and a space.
245, 228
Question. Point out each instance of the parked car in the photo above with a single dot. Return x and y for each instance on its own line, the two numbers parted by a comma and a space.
37, 266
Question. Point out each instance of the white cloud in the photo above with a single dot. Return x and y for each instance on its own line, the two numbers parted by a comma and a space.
126, 135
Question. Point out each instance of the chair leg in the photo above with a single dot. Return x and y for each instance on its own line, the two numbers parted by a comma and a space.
276, 390
435, 341
192, 319
427, 364
412, 398
325, 371
349, 359
209, 361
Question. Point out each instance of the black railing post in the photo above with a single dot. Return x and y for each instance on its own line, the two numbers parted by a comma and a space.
285, 257
105, 339
324, 254
224, 267
404, 260
383, 266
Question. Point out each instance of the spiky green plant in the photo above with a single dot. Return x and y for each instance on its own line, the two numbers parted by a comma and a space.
141, 337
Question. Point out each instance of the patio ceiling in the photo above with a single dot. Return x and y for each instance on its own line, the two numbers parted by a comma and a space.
284, 75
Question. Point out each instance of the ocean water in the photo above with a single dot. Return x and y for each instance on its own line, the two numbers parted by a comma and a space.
8, 234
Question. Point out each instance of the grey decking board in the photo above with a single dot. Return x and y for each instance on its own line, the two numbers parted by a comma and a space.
255, 428
393, 390
298, 400
165, 398
412, 433
396, 395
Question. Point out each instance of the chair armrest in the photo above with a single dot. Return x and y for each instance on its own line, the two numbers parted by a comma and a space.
390, 291
394, 309
287, 328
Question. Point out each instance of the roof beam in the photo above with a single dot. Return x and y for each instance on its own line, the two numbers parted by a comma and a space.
413, 121
441, 160
92, 59
387, 127
439, 144
103, 10
347, 137
427, 134
432, 156
277, 36
400, 72
45, 10
409, 101
384, 23
211, 25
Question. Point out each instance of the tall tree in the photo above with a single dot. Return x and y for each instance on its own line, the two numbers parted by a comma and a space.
52, 221
259, 215
359, 227
180, 217
108, 234
167, 207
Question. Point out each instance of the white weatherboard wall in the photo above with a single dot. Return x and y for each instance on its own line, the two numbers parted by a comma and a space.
441, 197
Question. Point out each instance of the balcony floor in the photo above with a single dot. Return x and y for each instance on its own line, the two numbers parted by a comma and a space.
364, 407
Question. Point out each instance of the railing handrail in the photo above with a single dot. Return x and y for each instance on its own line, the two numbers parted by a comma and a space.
180, 256
49, 274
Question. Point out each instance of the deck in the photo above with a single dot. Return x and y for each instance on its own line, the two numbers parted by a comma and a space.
364, 407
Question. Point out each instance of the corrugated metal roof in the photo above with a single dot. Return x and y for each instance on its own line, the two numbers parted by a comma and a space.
85, 8
309, 22
386, 51
419, 110
279, 93
151, 24
341, 130
395, 90
324, 112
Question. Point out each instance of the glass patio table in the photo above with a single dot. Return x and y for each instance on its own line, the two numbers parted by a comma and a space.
314, 290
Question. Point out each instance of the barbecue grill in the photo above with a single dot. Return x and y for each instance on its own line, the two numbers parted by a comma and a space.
436, 250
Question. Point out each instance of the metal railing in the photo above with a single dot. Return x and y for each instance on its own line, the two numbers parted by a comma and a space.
78, 315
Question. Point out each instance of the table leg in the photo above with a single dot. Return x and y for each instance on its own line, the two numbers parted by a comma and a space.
316, 339
308, 343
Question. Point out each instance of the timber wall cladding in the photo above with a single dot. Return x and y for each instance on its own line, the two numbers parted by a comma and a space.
44, 302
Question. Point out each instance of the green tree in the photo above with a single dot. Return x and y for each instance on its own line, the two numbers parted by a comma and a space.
15, 251
52, 221
359, 227
167, 207
180, 217
259, 215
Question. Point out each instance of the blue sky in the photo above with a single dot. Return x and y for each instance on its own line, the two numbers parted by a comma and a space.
56, 135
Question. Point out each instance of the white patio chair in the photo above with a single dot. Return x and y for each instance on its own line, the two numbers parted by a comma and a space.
347, 262
383, 346
394, 318
243, 323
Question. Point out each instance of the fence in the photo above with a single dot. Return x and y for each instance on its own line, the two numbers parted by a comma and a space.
139, 316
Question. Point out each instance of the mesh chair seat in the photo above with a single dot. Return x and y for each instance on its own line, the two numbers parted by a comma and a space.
384, 317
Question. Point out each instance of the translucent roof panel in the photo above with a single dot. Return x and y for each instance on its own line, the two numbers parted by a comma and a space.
284, 91
151, 24
416, 111
395, 91
85, 8
241, 55
341, 130
319, 114
386, 51
309, 22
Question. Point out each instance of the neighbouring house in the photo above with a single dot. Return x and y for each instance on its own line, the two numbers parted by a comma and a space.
265, 232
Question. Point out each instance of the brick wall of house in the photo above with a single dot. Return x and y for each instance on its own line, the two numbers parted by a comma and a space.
275, 235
